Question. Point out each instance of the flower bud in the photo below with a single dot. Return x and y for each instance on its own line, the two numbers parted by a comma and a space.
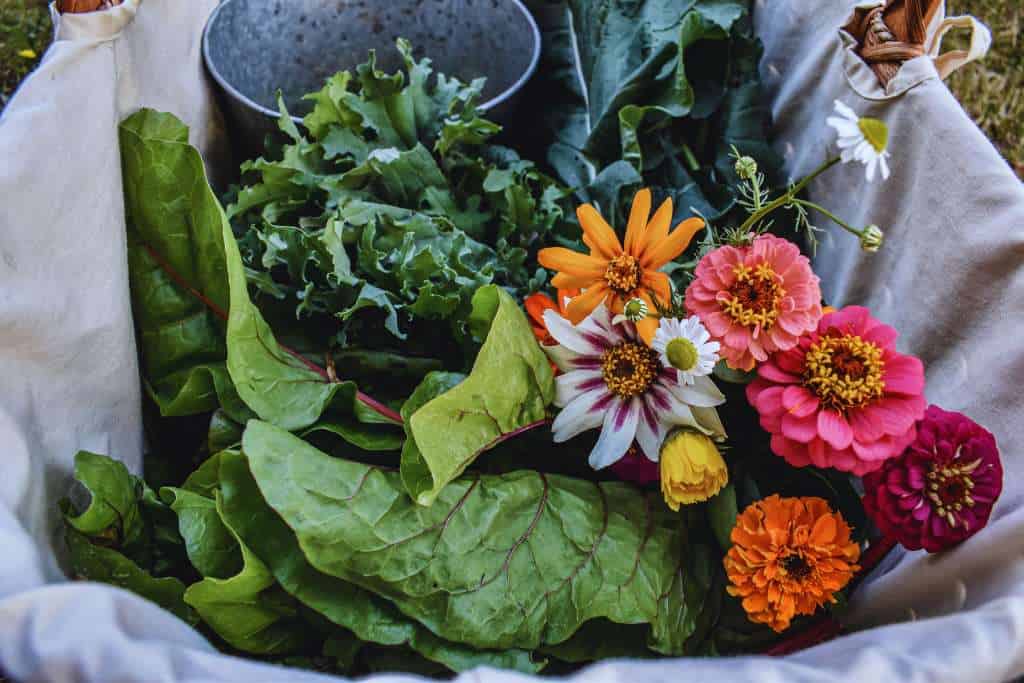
692, 469
746, 168
871, 239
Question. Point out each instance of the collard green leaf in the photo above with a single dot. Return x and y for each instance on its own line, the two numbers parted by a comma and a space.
98, 563
519, 560
246, 609
176, 261
371, 618
509, 388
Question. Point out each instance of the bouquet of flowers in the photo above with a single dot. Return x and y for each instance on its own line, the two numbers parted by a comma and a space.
417, 403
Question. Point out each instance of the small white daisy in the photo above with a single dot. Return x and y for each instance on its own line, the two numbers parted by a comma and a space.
613, 381
686, 346
862, 139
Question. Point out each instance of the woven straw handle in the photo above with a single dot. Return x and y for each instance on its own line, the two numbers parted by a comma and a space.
899, 30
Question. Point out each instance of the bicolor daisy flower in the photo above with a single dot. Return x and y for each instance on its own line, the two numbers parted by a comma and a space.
616, 272
862, 139
613, 381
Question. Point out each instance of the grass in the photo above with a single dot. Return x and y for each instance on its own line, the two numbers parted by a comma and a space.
25, 31
992, 91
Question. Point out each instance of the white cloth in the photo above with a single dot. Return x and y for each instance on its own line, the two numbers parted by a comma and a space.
947, 278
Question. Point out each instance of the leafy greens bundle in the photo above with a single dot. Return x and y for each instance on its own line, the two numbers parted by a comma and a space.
381, 251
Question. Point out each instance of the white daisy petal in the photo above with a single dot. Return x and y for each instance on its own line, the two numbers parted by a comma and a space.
650, 432
617, 433
844, 110
885, 165
702, 394
576, 382
710, 423
561, 356
582, 413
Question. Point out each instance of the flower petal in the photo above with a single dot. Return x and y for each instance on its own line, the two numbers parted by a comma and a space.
637, 225
572, 262
702, 393
650, 432
563, 332
833, 428
657, 227
583, 305
585, 411
617, 433
597, 234
658, 254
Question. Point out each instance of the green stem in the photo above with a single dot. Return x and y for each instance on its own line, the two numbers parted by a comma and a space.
831, 216
786, 198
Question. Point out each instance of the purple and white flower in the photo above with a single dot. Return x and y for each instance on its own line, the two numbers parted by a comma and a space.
613, 381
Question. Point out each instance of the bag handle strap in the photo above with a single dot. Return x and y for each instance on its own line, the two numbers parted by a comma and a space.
895, 31
948, 62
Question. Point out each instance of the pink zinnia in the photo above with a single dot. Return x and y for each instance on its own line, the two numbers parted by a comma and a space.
843, 397
942, 489
755, 300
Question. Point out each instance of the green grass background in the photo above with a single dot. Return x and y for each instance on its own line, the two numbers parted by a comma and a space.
991, 91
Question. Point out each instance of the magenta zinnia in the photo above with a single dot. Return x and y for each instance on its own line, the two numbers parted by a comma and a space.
842, 397
755, 300
942, 489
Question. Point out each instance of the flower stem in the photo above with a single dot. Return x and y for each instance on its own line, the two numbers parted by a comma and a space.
859, 233
787, 198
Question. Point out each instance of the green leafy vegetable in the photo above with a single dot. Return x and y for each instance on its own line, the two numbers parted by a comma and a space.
176, 267
248, 609
96, 563
509, 389
390, 211
519, 560
345, 604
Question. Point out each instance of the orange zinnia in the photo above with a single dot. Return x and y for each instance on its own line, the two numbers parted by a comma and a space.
614, 273
789, 556
536, 304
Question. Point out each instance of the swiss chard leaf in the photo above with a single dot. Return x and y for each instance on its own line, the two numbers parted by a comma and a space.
248, 610
520, 560
371, 618
98, 563
509, 389
176, 267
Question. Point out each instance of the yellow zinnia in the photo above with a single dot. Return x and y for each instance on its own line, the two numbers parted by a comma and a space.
615, 273
692, 469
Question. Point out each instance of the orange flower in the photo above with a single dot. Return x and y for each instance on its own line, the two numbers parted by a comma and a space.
536, 304
614, 273
789, 556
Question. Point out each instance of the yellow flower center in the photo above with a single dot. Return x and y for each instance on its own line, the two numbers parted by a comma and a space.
623, 274
844, 371
875, 132
682, 354
949, 489
629, 369
754, 296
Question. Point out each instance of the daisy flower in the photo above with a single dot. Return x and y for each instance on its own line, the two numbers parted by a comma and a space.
843, 397
615, 272
755, 300
862, 139
613, 381
686, 346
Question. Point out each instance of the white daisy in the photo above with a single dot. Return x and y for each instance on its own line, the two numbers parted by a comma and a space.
612, 380
686, 346
862, 139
